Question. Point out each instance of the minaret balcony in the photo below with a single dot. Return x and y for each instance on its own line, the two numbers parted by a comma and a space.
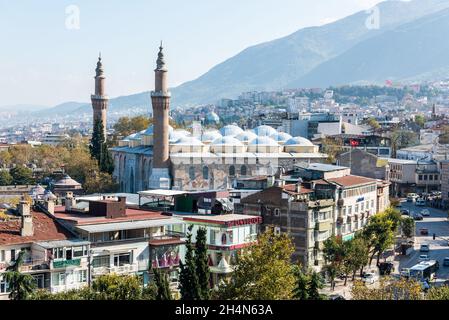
99, 97
160, 94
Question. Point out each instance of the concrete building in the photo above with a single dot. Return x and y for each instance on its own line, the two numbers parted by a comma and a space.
363, 163
311, 125
324, 200
413, 176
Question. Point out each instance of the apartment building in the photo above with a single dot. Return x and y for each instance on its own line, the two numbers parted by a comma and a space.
325, 200
415, 176
125, 240
227, 234
53, 256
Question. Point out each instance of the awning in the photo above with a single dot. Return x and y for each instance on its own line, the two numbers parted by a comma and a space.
161, 193
128, 225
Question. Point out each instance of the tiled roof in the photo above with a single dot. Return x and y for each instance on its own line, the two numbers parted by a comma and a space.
350, 180
291, 188
45, 229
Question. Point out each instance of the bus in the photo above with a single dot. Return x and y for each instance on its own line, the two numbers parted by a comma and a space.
424, 270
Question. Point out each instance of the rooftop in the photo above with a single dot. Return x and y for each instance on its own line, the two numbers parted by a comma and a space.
350, 181
322, 167
45, 229
227, 220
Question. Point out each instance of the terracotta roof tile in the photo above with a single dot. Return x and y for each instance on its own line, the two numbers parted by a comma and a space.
45, 229
350, 180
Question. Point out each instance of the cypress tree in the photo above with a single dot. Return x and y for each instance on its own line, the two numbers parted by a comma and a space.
201, 262
163, 287
106, 163
97, 141
188, 279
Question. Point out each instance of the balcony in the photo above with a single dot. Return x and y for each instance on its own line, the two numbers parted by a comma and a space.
323, 225
169, 238
321, 203
61, 264
34, 265
125, 269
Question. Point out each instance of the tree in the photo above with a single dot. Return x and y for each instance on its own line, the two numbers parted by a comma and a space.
20, 285
5, 159
100, 182
201, 262
388, 290
188, 278
420, 120
5, 178
333, 253
438, 293
117, 287
106, 163
97, 141
126, 125
373, 123
332, 147
357, 255
21, 175
308, 285
263, 271
162, 285
408, 227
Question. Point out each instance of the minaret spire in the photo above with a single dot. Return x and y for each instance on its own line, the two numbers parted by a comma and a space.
160, 99
99, 99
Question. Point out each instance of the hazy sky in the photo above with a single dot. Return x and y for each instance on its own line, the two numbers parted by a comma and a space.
45, 59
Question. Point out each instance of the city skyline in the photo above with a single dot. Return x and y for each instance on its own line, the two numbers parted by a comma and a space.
51, 49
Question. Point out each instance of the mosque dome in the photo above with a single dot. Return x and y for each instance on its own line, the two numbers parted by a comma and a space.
298, 141
231, 130
227, 144
246, 136
175, 135
188, 141
264, 131
209, 136
281, 137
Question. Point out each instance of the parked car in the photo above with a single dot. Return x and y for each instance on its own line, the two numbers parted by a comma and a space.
418, 216
446, 262
423, 257
336, 297
424, 248
425, 213
405, 212
385, 268
411, 197
370, 277
405, 272
424, 231
420, 202
425, 286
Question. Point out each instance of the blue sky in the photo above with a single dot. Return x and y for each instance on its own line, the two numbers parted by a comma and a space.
44, 62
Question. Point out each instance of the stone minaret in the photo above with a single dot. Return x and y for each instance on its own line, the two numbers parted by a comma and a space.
160, 99
99, 100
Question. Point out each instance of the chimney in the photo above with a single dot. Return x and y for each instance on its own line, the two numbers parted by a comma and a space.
27, 229
298, 188
280, 183
70, 201
270, 181
50, 206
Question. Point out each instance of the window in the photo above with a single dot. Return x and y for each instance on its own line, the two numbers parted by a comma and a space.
122, 259
277, 230
205, 173
78, 251
58, 279
13, 255
344, 210
58, 253
362, 206
212, 236
2, 255
367, 204
192, 173
349, 210
101, 261
232, 171
3, 285
243, 170
425, 177
430, 177
356, 210
81, 276
277, 212
39, 281
372, 204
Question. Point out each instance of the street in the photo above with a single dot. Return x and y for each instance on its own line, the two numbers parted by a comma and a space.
437, 223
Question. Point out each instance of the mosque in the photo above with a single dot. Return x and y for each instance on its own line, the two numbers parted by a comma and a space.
162, 157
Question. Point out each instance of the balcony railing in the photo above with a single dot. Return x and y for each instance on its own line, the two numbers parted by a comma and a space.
127, 268
34, 264
172, 234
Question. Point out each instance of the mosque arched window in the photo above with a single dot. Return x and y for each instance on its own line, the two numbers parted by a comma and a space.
232, 170
192, 173
205, 173
243, 170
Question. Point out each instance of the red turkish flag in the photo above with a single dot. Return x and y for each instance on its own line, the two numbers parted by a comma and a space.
354, 143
